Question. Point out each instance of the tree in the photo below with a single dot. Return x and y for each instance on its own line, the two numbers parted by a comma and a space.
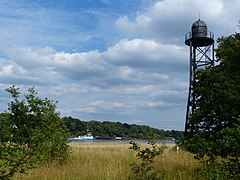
74, 126
34, 133
5, 127
216, 121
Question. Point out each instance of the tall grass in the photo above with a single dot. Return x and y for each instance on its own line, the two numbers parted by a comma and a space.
110, 161
177, 166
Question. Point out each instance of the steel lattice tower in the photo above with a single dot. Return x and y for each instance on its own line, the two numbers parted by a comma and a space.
201, 45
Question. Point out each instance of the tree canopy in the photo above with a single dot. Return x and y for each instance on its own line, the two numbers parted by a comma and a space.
77, 127
216, 122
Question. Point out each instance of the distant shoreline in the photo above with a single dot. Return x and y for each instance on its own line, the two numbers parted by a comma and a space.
164, 141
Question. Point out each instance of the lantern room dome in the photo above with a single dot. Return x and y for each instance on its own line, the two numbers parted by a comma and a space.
199, 36
199, 29
199, 23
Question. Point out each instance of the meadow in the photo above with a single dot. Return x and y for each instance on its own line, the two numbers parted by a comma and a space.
111, 161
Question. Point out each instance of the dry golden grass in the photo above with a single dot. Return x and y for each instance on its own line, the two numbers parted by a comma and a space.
110, 161
177, 166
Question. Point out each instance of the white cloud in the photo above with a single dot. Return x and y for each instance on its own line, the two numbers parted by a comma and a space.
155, 104
169, 20
129, 61
141, 23
145, 53
6, 70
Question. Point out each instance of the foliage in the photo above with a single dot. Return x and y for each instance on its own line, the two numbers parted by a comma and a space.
220, 169
144, 169
77, 127
74, 126
214, 136
32, 132
13, 159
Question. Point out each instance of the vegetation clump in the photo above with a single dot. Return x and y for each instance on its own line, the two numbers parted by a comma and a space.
31, 131
144, 170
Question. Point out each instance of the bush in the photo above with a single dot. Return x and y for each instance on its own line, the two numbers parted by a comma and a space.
144, 170
33, 132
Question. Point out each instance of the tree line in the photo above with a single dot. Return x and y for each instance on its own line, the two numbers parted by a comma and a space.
77, 127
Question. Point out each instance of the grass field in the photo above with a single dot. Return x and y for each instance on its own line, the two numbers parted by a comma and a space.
111, 161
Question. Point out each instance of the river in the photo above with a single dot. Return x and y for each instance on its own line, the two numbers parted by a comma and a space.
165, 141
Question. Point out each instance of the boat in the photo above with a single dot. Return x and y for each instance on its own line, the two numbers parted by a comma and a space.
118, 138
88, 136
110, 138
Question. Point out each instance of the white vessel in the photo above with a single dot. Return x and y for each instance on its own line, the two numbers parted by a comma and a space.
88, 136
118, 138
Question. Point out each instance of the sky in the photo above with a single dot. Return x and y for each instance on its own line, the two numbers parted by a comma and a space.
107, 60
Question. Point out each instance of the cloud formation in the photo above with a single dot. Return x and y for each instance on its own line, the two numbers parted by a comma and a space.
107, 60
167, 20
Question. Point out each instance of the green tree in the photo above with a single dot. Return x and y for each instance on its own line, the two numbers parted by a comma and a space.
74, 126
34, 133
5, 127
214, 136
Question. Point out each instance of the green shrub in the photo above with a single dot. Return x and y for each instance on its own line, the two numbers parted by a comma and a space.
144, 169
33, 132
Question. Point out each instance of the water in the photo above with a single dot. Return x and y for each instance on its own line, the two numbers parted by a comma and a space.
166, 141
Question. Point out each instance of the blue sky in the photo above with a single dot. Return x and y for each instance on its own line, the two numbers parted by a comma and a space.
115, 60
